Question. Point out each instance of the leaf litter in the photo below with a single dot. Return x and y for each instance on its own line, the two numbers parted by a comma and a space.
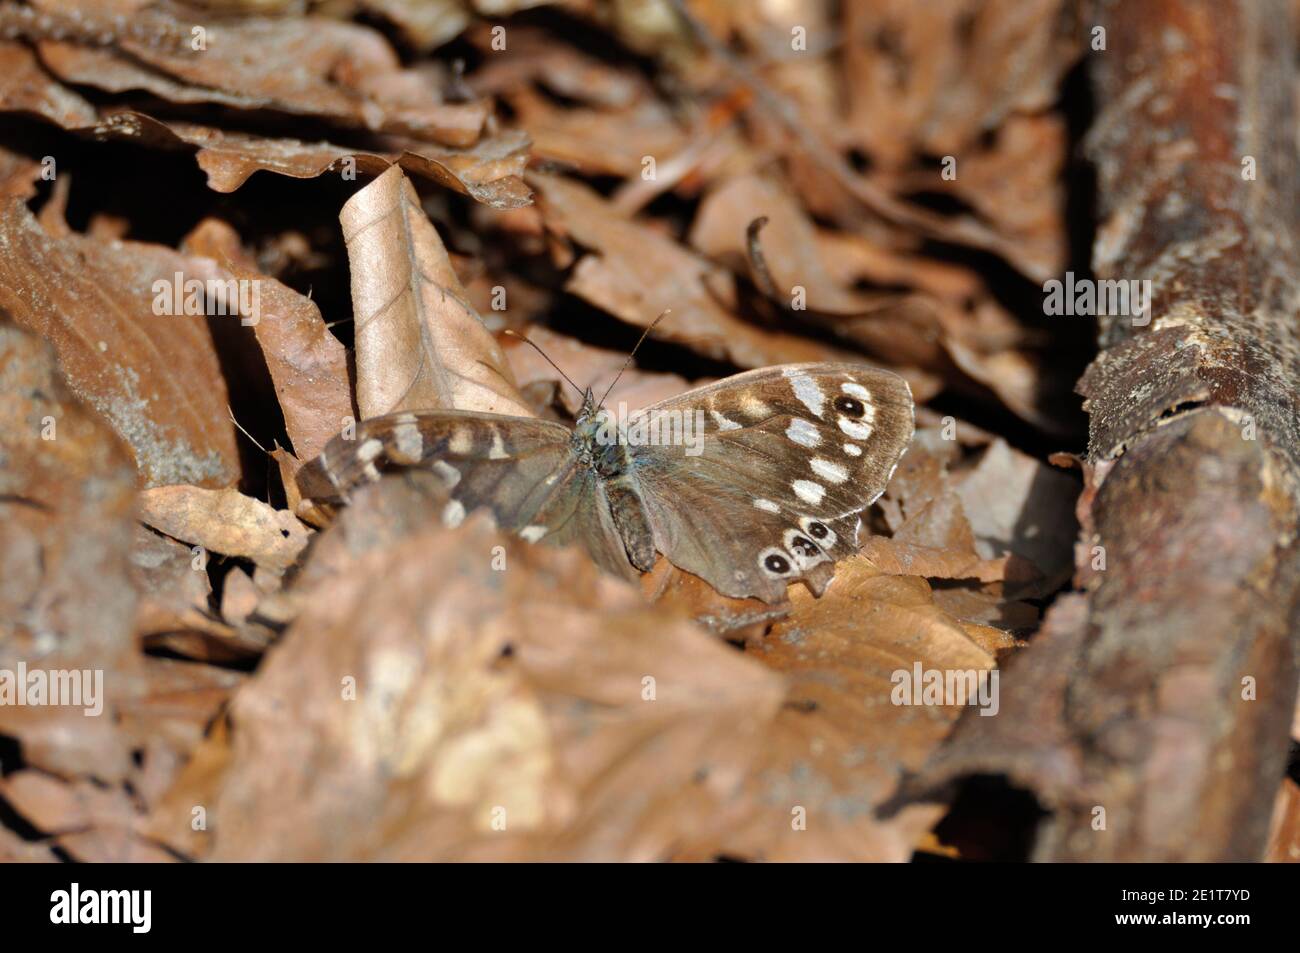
369, 684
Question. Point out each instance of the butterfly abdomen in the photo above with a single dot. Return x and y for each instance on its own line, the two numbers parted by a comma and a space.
632, 522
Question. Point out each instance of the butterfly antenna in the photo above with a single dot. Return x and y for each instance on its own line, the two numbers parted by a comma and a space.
515, 334
644, 334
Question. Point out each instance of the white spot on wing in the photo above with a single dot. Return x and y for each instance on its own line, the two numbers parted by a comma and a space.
858, 431
453, 513
808, 491
831, 472
723, 422
449, 474
369, 450
408, 445
853, 450
462, 441
803, 433
856, 390
498, 450
754, 408
767, 505
532, 534
809, 394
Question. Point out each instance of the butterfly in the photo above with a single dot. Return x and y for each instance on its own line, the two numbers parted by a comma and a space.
752, 483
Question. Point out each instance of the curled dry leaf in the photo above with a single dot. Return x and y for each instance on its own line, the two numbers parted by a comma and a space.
601, 142
901, 328
932, 78
788, 239
315, 67
173, 587
425, 23
635, 273
25, 87
419, 343
90, 822
489, 171
560, 68
307, 364
154, 376
226, 522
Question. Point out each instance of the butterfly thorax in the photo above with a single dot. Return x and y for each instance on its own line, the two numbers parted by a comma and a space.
598, 443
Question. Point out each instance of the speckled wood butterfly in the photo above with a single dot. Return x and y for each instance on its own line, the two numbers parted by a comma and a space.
761, 481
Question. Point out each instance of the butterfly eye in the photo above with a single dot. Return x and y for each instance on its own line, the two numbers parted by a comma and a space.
849, 406
818, 530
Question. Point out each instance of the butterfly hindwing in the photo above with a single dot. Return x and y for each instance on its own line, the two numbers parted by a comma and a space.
790, 458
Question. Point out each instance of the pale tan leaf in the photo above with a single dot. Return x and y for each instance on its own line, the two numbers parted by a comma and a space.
419, 343
227, 522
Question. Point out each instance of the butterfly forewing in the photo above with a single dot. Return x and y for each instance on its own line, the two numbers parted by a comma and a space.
774, 491
523, 469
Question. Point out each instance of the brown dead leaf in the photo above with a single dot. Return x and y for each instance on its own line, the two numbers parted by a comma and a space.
1019, 505
67, 492
602, 142
425, 23
419, 343
173, 585
899, 558
314, 67
25, 87
154, 377
931, 78
227, 522
91, 823
307, 364
788, 240
635, 274
839, 747
489, 171
488, 698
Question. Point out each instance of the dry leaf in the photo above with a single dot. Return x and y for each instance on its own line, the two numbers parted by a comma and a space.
486, 696
313, 67
67, 490
420, 345
226, 522
307, 364
154, 377
635, 274
835, 755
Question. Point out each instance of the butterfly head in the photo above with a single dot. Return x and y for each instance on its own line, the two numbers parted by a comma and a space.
589, 408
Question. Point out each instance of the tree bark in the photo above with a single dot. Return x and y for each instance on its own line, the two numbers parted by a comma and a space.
1151, 714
